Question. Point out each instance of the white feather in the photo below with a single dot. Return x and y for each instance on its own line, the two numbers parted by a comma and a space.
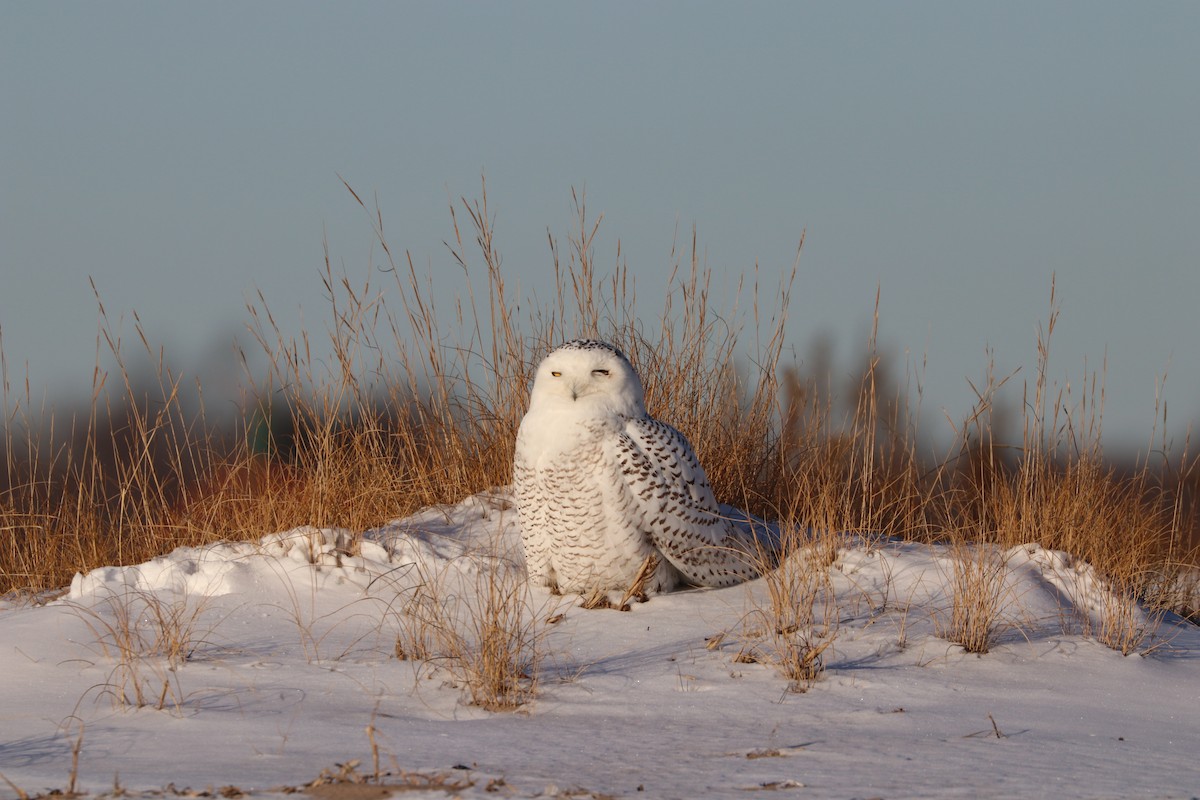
600, 486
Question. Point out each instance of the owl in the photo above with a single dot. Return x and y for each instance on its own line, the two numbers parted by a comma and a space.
604, 492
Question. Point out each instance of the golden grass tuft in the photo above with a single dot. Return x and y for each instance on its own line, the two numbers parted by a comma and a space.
484, 630
977, 596
797, 622
147, 636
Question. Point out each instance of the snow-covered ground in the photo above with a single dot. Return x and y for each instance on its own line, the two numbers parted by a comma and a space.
286, 669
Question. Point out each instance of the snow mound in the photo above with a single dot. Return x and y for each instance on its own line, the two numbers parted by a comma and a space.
437, 534
262, 665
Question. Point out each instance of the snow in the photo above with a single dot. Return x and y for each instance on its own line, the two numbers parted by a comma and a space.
287, 669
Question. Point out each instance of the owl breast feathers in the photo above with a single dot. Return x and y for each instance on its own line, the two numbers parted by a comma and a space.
601, 486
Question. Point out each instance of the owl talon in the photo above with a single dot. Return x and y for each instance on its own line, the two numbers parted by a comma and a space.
597, 598
637, 589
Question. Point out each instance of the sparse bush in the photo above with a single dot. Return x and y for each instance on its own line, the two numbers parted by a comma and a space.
480, 624
148, 636
798, 621
977, 596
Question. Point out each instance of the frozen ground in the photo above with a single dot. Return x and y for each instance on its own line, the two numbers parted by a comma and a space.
284, 664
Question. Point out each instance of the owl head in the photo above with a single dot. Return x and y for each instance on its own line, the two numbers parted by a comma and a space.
589, 377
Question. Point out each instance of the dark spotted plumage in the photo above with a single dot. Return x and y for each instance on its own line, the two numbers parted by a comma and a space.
600, 486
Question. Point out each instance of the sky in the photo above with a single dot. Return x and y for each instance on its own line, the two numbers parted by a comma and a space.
954, 156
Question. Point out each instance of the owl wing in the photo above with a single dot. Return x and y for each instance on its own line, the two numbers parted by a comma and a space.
676, 509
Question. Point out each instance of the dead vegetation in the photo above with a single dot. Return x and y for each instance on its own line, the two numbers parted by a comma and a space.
406, 404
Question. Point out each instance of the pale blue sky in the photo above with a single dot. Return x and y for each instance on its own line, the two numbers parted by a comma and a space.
955, 154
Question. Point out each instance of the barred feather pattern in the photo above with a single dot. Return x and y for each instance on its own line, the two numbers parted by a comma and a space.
600, 486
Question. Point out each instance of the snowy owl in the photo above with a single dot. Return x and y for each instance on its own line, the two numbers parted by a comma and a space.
601, 487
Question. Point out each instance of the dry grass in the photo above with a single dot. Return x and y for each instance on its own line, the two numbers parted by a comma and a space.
397, 418
147, 637
1124, 625
977, 596
798, 621
405, 404
484, 628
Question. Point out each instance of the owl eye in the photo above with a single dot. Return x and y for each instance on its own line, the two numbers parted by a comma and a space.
603, 372
556, 374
